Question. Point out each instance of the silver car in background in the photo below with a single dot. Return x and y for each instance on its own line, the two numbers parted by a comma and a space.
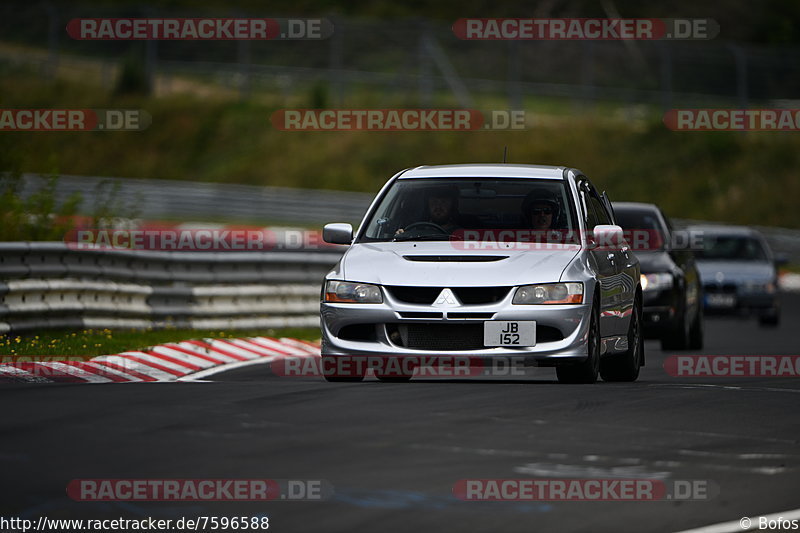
488, 261
739, 272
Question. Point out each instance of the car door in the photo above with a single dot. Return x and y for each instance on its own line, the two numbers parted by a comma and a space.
604, 261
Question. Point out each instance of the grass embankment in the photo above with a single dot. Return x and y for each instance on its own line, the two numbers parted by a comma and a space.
734, 177
50, 344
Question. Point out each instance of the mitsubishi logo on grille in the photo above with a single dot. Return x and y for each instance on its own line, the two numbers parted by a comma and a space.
446, 298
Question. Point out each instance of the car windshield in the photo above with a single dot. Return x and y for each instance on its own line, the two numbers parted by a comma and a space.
473, 209
642, 228
736, 248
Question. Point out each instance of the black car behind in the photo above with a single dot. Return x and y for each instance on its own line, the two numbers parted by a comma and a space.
672, 291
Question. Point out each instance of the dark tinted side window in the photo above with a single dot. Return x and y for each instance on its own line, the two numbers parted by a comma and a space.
591, 215
601, 215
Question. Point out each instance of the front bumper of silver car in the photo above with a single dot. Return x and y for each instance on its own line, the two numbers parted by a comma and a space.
398, 328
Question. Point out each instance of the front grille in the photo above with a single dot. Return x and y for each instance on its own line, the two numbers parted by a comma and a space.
453, 337
414, 295
457, 316
358, 332
420, 314
716, 288
480, 295
443, 336
467, 295
548, 334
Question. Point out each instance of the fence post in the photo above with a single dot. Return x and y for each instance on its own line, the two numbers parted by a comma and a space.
666, 76
740, 57
514, 88
587, 74
243, 51
53, 32
425, 68
336, 60
150, 56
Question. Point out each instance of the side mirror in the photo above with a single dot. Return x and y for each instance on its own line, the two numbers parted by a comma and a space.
781, 260
607, 237
337, 233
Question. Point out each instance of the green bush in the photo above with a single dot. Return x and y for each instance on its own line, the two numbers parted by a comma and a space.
35, 218
133, 79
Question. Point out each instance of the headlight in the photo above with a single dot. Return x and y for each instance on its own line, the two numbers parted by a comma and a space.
656, 282
771, 288
758, 287
550, 293
348, 292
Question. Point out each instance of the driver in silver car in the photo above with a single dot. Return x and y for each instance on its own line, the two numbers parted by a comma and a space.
540, 210
442, 210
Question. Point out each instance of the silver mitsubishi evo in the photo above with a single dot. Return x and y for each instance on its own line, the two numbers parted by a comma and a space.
488, 261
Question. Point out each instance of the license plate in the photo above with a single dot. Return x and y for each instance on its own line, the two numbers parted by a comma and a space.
509, 333
721, 300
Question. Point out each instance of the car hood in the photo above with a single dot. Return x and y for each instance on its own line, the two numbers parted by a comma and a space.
389, 264
735, 271
652, 262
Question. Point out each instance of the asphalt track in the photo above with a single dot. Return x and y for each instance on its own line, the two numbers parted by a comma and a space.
394, 451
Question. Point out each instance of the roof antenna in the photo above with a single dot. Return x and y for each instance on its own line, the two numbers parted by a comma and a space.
505, 152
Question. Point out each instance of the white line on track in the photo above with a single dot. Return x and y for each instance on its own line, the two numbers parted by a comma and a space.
723, 387
737, 525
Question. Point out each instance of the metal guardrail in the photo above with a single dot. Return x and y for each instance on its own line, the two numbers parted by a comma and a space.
49, 284
192, 200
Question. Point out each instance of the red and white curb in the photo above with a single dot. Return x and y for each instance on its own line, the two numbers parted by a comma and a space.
182, 361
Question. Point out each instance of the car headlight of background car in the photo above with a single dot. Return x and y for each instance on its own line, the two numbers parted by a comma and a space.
350, 292
759, 286
549, 293
656, 282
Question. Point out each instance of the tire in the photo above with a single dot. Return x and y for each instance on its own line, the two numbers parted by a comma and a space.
586, 371
354, 378
770, 319
625, 366
677, 338
696, 331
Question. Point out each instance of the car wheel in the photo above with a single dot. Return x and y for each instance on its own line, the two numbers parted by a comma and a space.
696, 332
587, 370
771, 318
329, 362
677, 338
625, 366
